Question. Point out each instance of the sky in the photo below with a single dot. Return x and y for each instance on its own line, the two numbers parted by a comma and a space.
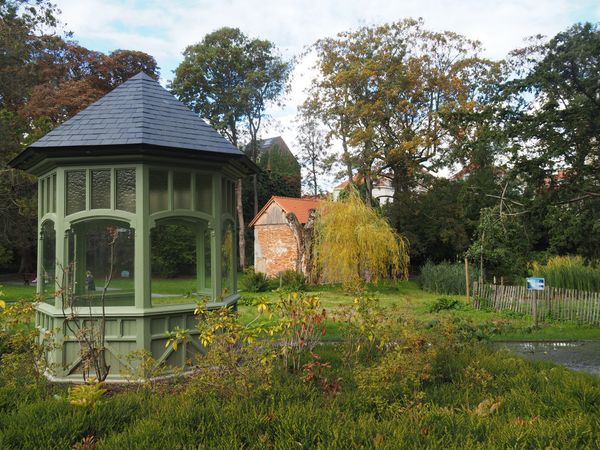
165, 28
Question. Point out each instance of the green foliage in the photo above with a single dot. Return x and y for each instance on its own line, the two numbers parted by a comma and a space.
254, 281
444, 304
229, 78
22, 347
446, 278
568, 272
172, 251
292, 281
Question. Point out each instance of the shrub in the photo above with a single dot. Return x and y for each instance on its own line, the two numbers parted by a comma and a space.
254, 281
293, 281
446, 278
568, 272
444, 304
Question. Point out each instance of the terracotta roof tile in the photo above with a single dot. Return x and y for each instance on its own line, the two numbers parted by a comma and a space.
299, 206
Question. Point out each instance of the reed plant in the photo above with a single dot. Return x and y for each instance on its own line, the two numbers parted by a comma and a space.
568, 272
446, 278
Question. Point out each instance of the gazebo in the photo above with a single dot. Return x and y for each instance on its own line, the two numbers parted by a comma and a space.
136, 167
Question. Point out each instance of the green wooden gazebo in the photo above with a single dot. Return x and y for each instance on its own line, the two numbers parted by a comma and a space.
140, 164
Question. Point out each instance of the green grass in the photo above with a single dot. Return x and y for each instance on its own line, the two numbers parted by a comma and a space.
540, 405
14, 291
404, 298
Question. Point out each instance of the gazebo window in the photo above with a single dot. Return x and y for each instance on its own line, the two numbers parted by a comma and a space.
182, 193
91, 260
75, 191
204, 193
159, 190
125, 187
47, 275
228, 192
100, 189
180, 258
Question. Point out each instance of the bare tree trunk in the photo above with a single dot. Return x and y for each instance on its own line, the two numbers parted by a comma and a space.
241, 224
255, 186
314, 175
303, 235
346, 157
369, 188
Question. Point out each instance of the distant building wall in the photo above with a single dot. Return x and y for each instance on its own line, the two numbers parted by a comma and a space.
275, 249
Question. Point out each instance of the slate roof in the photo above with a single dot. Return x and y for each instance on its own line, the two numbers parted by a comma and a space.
139, 111
299, 206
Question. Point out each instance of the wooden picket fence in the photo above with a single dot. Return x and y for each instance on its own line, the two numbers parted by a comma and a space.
551, 303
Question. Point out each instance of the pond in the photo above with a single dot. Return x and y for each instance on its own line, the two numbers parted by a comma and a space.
578, 355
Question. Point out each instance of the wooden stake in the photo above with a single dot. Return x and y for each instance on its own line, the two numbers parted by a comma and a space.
467, 278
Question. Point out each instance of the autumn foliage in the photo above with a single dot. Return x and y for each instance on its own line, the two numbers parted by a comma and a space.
354, 242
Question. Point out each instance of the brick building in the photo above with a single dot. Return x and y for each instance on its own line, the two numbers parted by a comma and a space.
275, 247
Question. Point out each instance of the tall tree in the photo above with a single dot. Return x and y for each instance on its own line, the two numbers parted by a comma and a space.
554, 111
230, 80
386, 93
44, 80
313, 152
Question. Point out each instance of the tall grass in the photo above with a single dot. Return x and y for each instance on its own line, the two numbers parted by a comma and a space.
446, 278
568, 272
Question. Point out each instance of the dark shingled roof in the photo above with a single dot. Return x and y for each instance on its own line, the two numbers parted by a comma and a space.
140, 111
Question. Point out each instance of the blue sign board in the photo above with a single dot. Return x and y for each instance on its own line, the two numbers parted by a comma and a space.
535, 284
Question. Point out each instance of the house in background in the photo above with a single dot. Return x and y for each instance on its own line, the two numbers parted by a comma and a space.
273, 155
383, 191
275, 245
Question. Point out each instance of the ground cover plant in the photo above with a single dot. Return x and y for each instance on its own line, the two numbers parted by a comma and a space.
389, 382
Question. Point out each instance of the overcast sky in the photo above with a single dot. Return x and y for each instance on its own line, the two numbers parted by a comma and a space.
163, 28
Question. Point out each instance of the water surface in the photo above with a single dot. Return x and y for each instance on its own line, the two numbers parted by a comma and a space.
578, 355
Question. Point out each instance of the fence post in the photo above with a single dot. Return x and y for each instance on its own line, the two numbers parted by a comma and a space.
467, 278
534, 307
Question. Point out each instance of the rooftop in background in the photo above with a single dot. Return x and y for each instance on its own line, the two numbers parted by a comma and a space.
299, 206
138, 112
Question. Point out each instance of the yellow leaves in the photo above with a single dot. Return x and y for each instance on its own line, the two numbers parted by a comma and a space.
2, 304
86, 395
176, 337
207, 338
352, 240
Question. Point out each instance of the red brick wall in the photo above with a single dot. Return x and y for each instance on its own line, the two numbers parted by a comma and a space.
275, 249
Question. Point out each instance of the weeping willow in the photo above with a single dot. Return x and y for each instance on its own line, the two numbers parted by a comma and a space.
353, 242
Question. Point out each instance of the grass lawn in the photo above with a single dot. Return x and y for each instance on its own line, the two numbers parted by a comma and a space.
404, 298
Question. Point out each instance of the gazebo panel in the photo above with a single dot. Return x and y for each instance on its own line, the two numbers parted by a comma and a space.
125, 189
101, 180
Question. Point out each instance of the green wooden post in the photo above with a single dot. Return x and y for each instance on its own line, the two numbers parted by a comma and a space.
142, 266
40, 272
61, 237
216, 239
200, 259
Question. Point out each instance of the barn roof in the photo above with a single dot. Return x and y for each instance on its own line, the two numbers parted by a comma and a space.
299, 206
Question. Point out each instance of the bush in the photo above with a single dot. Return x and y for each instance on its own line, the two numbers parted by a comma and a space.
254, 281
446, 278
444, 304
292, 281
568, 272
